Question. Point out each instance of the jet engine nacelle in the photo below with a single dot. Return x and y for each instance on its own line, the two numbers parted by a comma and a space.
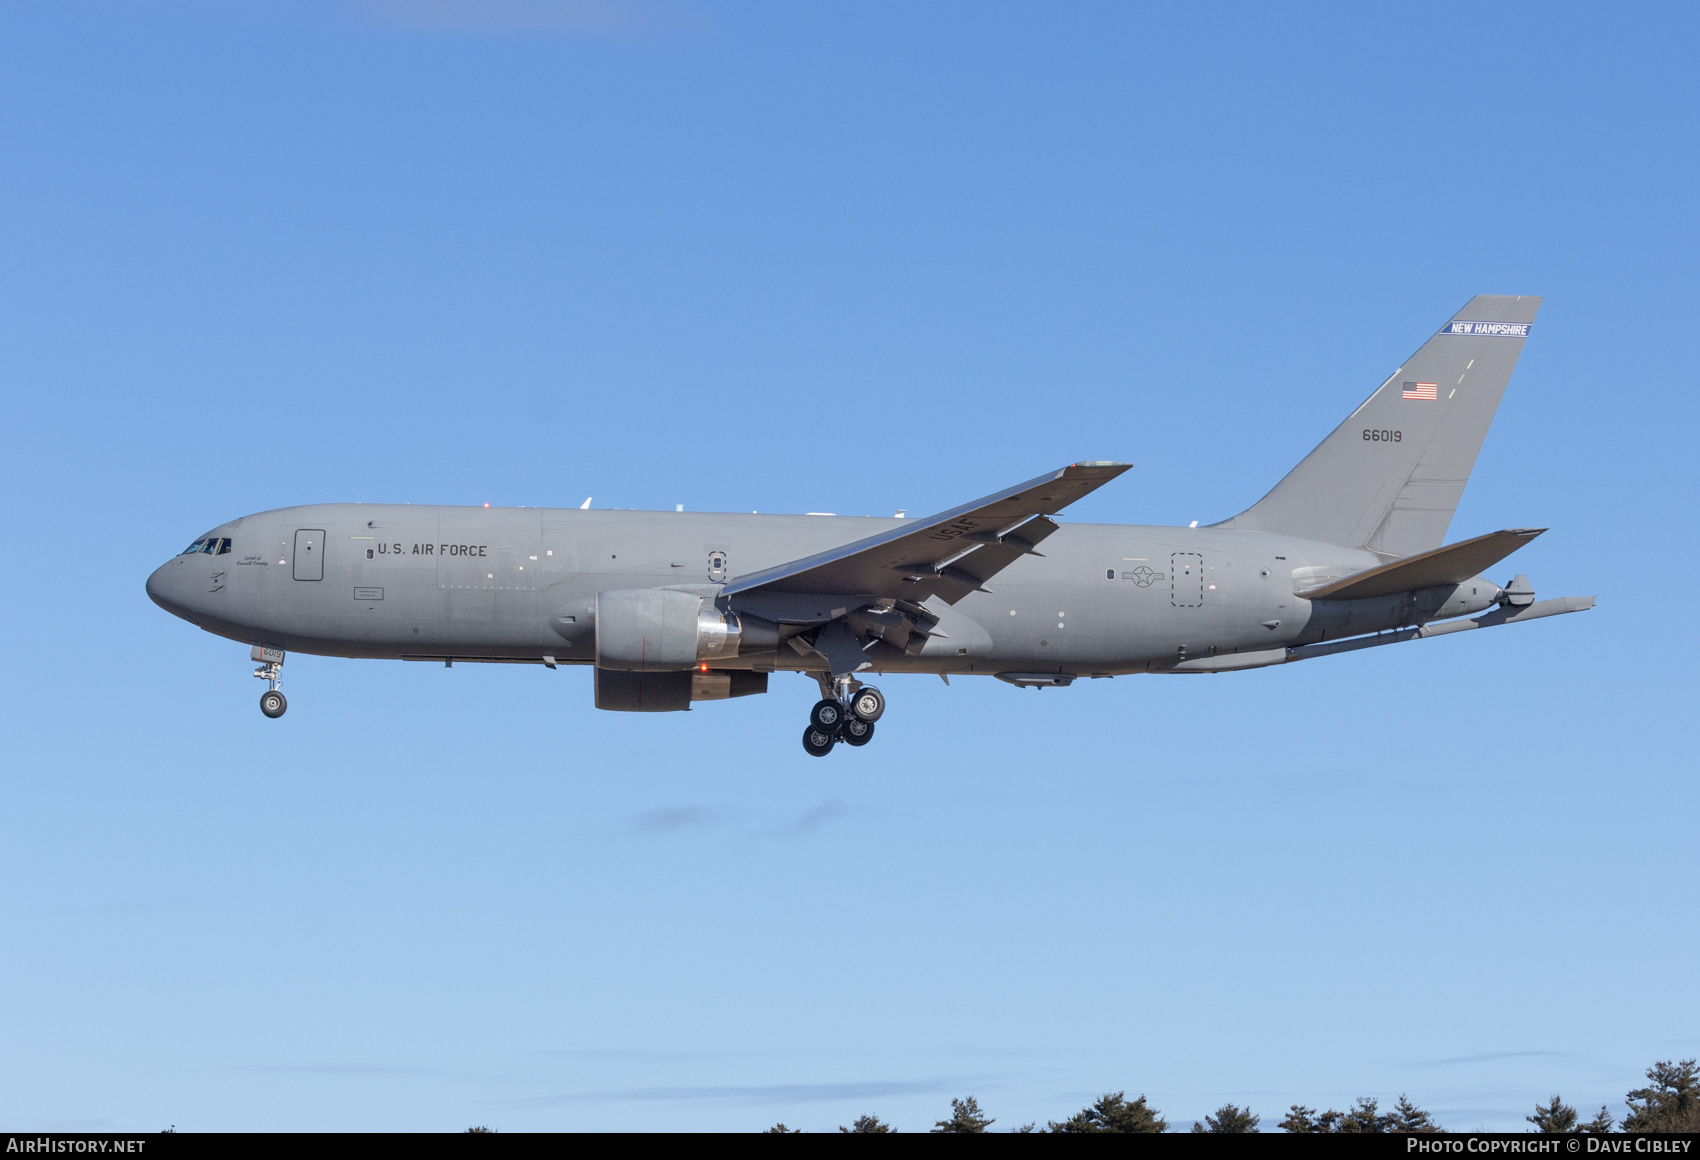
651, 629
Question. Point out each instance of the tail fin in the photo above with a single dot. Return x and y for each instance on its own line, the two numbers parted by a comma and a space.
1390, 477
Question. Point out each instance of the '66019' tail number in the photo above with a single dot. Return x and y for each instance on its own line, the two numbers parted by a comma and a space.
1373, 436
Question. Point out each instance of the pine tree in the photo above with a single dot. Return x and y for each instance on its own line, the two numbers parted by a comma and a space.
1361, 1117
1299, 1119
1407, 1117
1364, 1115
965, 1116
867, 1124
1555, 1118
1229, 1118
780, 1129
1111, 1112
1600, 1125
1669, 1103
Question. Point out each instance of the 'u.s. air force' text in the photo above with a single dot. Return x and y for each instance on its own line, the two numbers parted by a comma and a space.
435, 550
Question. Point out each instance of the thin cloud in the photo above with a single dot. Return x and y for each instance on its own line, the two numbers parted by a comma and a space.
750, 1093
671, 819
679, 819
345, 1069
557, 18
1487, 1057
825, 814
642, 1055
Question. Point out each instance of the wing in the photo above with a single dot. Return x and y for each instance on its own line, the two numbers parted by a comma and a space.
949, 555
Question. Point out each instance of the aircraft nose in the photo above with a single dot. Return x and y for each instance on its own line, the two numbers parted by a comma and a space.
160, 589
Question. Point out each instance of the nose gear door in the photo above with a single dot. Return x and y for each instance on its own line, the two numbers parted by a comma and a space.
310, 554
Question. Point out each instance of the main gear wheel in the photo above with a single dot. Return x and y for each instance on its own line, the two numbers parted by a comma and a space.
868, 704
827, 716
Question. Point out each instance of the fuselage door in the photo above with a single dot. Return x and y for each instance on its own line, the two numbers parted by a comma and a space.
310, 554
1186, 579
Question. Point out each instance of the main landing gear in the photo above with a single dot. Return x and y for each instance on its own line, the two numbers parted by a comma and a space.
272, 702
848, 716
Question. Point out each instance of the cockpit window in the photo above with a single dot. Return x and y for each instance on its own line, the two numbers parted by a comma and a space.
211, 545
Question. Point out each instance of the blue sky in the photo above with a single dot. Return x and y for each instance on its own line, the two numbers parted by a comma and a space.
848, 258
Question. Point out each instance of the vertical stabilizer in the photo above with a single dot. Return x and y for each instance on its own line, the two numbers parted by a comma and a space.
1390, 477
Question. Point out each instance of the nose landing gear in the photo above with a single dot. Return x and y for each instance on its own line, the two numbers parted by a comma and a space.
272, 702
848, 715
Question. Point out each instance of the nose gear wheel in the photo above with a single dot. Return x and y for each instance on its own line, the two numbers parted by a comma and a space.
272, 703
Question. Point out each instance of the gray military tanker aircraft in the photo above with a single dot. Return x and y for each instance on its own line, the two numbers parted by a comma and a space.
673, 608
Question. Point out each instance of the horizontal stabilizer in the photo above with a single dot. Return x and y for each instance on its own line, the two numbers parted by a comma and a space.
1499, 616
1452, 564
1262, 658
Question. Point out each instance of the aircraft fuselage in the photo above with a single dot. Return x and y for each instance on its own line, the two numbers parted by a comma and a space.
491, 584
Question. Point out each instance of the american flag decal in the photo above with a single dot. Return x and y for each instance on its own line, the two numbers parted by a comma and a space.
1429, 391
